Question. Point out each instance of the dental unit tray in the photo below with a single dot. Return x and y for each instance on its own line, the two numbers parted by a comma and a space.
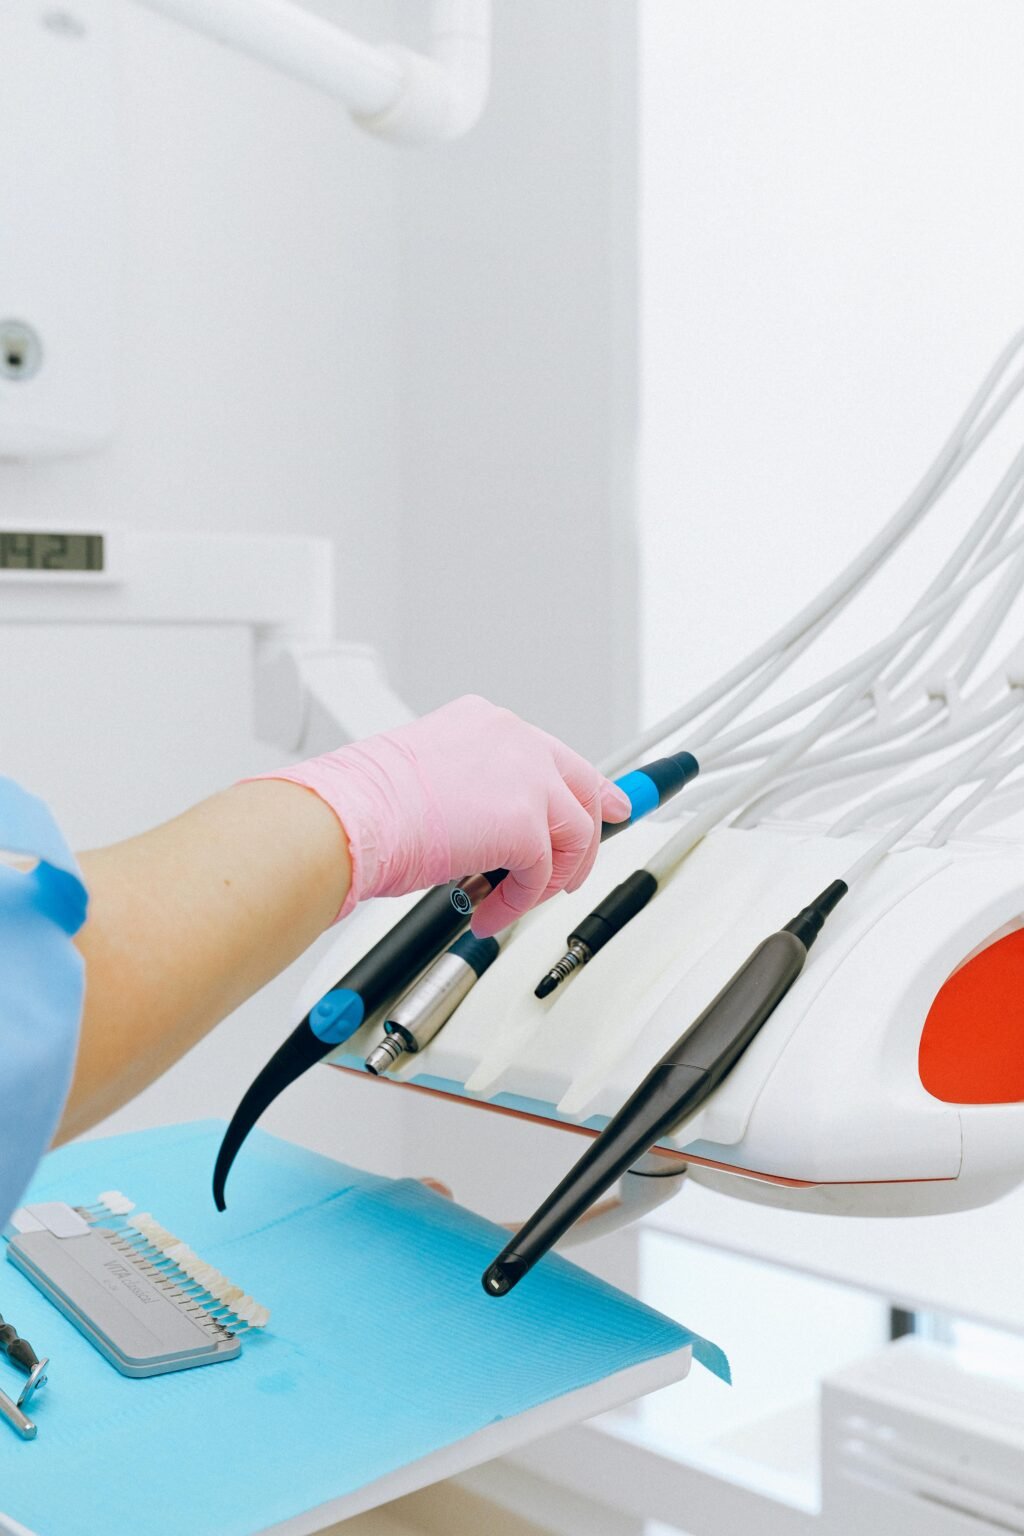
362, 1390
891, 1081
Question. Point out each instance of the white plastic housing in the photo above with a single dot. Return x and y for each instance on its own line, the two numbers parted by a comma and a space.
826, 1109
59, 251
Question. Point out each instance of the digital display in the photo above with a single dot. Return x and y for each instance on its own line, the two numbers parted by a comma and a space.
51, 551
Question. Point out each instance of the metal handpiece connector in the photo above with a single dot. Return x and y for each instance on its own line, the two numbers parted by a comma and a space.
425, 1009
575, 957
385, 1054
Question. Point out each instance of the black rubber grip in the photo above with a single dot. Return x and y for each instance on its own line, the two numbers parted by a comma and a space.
615, 911
16, 1349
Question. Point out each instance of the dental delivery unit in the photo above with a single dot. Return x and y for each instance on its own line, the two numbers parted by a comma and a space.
864, 1056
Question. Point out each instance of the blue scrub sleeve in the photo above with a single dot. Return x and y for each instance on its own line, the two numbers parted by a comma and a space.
41, 984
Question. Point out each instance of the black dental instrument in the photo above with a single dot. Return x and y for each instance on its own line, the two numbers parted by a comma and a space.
22, 1354
17, 1350
423, 1011
394, 963
603, 923
673, 1090
373, 982
627, 899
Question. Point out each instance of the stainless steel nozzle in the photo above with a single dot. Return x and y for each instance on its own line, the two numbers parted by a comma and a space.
384, 1054
425, 1008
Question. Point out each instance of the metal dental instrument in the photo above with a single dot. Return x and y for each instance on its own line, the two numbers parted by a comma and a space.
19, 1422
674, 1089
387, 970
418, 1016
20, 1352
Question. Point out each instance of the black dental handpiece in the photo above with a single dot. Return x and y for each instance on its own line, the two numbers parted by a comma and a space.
673, 1090
622, 903
394, 963
387, 969
423, 1011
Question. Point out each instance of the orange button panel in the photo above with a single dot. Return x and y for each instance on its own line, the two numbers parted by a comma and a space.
972, 1045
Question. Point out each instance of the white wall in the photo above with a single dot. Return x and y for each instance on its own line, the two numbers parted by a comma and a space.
425, 354
517, 372
257, 351
832, 246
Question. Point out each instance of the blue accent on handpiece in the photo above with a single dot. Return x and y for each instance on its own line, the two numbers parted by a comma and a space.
337, 1015
653, 784
642, 792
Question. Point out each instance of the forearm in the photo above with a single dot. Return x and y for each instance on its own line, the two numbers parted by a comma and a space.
187, 921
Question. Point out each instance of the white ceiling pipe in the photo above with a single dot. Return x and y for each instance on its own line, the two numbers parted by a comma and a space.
390, 90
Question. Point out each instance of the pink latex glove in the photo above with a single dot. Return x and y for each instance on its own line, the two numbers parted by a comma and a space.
466, 789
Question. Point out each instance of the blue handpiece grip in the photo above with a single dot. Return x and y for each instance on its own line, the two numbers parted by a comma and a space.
650, 786
337, 1015
643, 796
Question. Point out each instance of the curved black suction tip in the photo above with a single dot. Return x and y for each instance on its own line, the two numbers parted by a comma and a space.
302, 1050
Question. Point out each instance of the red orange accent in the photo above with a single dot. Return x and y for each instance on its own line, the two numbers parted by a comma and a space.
972, 1044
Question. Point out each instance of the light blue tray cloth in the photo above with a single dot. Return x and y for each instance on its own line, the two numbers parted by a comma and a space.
382, 1346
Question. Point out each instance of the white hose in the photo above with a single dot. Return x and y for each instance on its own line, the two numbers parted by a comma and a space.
959, 448
950, 782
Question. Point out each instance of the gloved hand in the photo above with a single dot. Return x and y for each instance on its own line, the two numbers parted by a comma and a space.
466, 789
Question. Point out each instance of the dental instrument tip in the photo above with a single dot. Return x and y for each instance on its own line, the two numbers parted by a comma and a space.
575, 957
503, 1274
384, 1054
